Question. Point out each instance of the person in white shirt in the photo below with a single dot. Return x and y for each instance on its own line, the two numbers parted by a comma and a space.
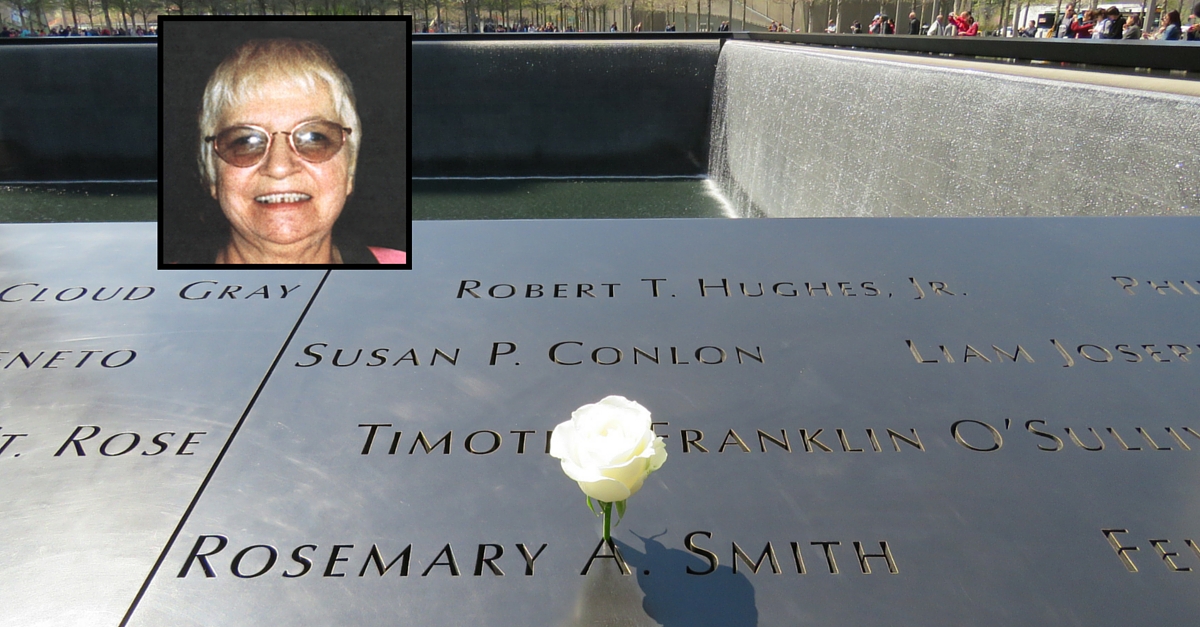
936, 27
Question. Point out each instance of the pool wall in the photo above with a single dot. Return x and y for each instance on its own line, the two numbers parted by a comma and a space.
562, 108
785, 130
804, 131
78, 112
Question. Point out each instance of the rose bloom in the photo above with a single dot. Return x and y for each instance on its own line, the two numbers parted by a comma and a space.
608, 448
258, 200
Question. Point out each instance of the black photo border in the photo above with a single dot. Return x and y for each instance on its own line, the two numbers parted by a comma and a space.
404, 29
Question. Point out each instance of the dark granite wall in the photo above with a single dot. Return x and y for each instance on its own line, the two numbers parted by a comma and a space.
578, 108
513, 108
78, 112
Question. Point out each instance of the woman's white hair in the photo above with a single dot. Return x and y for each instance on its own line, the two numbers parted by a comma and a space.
258, 64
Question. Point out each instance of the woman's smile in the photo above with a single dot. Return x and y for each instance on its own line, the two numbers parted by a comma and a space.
282, 198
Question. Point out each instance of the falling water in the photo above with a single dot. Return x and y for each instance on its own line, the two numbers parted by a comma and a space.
799, 131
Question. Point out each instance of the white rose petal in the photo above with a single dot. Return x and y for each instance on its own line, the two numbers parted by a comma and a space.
608, 448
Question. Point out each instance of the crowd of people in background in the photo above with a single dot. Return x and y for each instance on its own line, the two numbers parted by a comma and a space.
64, 31
1092, 24
526, 27
548, 27
961, 25
1098, 23
1101, 23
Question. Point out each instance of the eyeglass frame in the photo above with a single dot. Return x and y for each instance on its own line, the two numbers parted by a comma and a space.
211, 140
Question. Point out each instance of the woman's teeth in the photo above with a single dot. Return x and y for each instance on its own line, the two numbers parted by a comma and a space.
278, 198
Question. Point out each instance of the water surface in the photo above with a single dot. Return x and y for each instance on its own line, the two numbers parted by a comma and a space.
513, 199
79, 202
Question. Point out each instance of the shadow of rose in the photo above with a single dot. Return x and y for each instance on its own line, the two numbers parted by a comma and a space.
675, 598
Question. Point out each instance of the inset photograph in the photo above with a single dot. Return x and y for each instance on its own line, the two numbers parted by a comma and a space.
284, 141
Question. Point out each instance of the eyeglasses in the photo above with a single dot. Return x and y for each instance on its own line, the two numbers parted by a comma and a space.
246, 146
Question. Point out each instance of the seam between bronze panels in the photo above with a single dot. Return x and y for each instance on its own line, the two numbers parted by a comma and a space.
221, 455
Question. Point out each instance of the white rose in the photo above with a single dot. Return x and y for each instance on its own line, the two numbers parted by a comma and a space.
609, 448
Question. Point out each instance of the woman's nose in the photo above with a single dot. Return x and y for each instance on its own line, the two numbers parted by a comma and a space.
281, 161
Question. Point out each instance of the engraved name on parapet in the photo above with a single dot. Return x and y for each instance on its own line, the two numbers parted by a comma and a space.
1069, 354
203, 290
212, 555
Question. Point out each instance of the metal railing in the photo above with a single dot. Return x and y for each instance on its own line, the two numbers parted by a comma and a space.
1115, 53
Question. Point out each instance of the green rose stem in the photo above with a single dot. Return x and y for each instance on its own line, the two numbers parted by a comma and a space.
607, 509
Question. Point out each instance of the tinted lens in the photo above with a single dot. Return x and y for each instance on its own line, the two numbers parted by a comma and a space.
318, 141
241, 146
245, 146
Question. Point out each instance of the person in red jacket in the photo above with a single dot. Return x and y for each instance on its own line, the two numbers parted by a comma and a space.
966, 24
1083, 30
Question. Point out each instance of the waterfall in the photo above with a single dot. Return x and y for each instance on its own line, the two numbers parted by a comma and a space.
801, 131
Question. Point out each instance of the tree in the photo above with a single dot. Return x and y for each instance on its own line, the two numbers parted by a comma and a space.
22, 7
73, 6
145, 8
805, 7
32, 13
675, 6
805, 15
90, 7
124, 9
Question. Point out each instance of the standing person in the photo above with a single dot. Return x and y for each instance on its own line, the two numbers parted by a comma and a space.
956, 21
1064, 24
936, 27
1116, 24
972, 28
951, 28
1083, 30
965, 25
914, 24
1103, 25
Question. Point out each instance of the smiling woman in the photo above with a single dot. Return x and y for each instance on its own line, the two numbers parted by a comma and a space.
282, 196
277, 149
